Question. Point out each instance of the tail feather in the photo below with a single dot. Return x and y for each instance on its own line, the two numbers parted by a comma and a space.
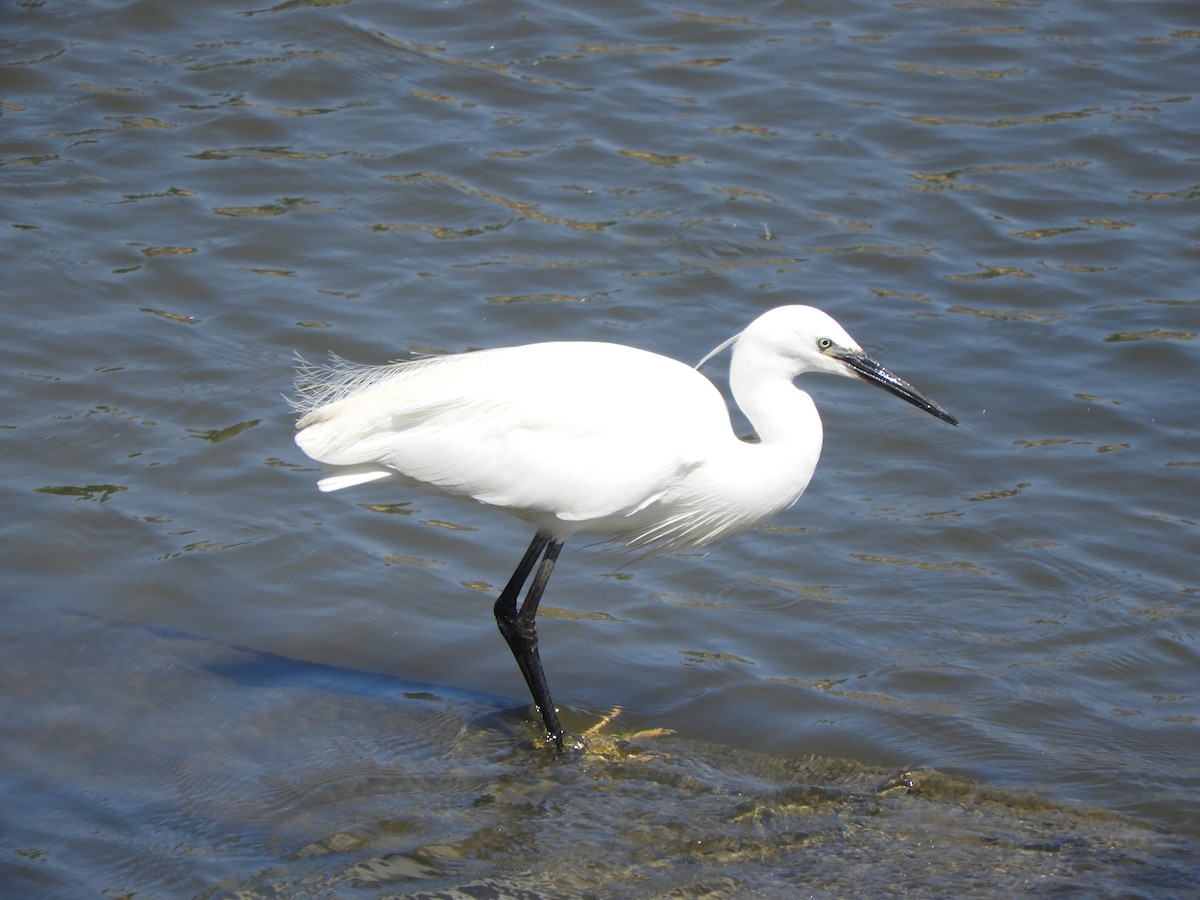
353, 475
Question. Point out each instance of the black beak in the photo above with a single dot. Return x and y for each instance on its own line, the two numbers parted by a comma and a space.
869, 370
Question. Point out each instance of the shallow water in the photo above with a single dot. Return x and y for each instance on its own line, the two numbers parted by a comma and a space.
211, 669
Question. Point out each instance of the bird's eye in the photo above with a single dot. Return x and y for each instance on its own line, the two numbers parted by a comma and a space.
824, 344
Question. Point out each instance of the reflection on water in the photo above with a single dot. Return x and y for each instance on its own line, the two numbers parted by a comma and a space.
996, 198
271, 777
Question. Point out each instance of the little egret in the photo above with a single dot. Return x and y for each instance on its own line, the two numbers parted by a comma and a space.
589, 437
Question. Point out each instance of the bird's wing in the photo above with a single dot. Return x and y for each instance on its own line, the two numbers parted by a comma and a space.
579, 430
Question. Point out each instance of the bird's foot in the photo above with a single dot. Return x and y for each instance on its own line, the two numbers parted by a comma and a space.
600, 740
602, 743
611, 716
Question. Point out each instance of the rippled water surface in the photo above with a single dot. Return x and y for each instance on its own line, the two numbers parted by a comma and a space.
966, 660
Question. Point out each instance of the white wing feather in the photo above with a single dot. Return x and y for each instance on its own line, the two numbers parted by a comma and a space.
519, 428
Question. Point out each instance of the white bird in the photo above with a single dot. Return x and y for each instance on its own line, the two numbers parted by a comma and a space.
589, 437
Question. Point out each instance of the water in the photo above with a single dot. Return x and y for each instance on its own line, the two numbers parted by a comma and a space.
216, 678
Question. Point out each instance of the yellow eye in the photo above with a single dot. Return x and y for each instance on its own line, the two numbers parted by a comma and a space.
824, 344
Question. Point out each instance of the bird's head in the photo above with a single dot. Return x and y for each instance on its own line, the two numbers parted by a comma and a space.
799, 339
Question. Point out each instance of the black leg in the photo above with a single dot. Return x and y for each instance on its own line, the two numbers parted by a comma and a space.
520, 628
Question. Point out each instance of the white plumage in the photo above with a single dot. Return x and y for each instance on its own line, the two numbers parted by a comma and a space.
591, 437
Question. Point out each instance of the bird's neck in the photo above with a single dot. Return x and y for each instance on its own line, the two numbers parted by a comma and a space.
778, 468
782, 415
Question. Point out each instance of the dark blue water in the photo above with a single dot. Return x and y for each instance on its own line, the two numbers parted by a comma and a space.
211, 669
